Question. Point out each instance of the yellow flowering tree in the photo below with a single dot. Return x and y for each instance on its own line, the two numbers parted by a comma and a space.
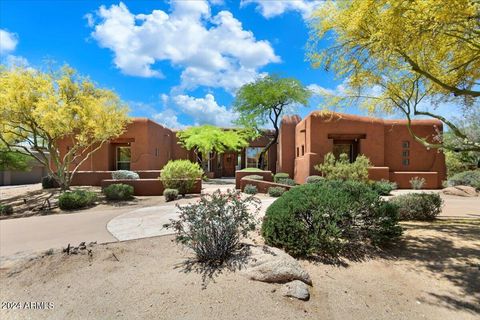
402, 55
39, 110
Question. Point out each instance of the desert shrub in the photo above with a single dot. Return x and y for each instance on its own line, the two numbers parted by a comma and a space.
180, 175
287, 181
325, 218
383, 187
6, 210
250, 189
213, 226
48, 182
170, 194
417, 183
118, 191
314, 179
252, 170
77, 199
280, 175
124, 175
466, 178
342, 169
276, 191
418, 206
253, 177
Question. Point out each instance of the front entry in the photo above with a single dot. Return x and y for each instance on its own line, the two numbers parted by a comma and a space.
229, 164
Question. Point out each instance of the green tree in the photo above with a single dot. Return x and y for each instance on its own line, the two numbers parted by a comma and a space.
14, 160
265, 101
40, 110
208, 141
402, 55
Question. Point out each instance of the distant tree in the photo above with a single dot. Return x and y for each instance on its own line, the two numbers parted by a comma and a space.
208, 141
14, 160
402, 55
265, 101
38, 110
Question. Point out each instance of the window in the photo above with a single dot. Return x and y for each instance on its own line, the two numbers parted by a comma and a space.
303, 150
405, 162
406, 144
123, 158
253, 155
405, 153
298, 152
156, 152
349, 147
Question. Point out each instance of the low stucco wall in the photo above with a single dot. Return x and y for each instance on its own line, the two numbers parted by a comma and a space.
149, 187
239, 174
262, 186
378, 173
403, 179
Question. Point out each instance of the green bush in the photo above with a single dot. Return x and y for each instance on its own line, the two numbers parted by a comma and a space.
280, 175
125, 175
213, 226
180, 175
418, 206
252, 170
170, 194
77, 199
118, 191
287, 181
342, 169
253, 177
417, 183
466, 178
276, 191
6, 210
325, 218
314, 179
383, 187
250, 189
48, 182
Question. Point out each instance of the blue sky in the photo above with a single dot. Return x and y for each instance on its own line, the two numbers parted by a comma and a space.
176, 62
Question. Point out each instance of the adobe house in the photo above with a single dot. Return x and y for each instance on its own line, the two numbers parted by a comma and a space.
395, 155
146, 145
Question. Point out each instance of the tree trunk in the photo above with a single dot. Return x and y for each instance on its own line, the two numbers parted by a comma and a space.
261, 158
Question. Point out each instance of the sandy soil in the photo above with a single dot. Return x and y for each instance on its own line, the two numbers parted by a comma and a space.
433, 273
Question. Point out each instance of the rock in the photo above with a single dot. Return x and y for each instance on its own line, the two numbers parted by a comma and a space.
296, 289
269, 264
462, 191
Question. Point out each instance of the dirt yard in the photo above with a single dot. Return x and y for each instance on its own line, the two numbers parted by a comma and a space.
434, 273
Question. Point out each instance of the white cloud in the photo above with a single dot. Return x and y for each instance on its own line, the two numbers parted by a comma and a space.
204, 110
8, 42
273, 8
16, 61
213, 51
169, 119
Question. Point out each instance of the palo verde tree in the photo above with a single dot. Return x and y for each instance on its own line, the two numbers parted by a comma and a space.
264, 102
13, 160
207, 141
409, 56
39, 110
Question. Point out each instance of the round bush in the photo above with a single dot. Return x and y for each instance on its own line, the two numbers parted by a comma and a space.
48, 182
77, 199
180, 175
253, 177
250, 189
314, 179
125, 175
118, 191
6, 210
383, 187
170, 194
324, 218
280, 175
466, 178
418, 206
287, 181
276, 191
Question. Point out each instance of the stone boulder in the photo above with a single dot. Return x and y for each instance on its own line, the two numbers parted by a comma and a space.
296, 289
462, 191
273, 265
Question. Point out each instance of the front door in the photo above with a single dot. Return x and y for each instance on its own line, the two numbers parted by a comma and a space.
229, 164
